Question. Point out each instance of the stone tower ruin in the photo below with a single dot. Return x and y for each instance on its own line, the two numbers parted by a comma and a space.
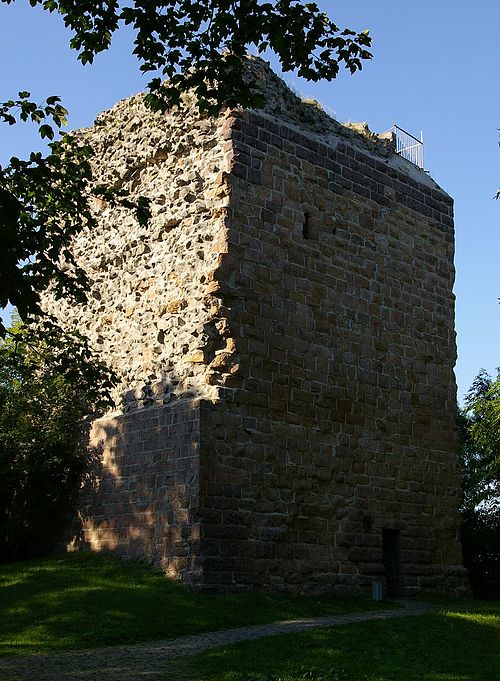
283, 329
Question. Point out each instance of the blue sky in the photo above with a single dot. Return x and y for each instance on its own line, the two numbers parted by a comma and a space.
435, 68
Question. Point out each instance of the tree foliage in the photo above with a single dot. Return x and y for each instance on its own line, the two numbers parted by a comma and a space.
479, 429
44, 396
200, 46
480, 437
44, 203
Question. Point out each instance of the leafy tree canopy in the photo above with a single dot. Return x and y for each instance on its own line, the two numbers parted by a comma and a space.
44, 201
201, 45
43, 349
479, 427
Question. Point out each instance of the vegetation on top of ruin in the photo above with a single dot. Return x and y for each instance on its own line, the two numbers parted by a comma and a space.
277, 98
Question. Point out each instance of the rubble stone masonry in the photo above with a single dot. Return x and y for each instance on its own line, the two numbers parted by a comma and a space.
284, 332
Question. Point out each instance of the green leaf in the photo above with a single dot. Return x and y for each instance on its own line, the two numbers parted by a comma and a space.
46, 131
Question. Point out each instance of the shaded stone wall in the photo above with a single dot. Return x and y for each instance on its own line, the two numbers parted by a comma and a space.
140, 495
339, 424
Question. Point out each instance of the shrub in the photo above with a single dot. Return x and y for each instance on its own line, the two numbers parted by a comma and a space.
479, 429
47, 387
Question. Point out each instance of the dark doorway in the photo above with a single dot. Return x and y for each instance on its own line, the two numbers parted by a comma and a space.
392, 562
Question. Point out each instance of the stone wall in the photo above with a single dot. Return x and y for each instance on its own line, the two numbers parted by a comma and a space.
151, 314
290, 307
340, 422
140, 496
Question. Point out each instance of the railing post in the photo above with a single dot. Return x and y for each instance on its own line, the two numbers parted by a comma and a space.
408, 146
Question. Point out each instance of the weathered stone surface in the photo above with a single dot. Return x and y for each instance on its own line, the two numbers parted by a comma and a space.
140, 496
292, 301
151, 309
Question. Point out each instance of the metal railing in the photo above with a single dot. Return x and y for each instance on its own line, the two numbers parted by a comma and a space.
408, 146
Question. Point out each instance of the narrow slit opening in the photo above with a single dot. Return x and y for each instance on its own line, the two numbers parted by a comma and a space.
306, 226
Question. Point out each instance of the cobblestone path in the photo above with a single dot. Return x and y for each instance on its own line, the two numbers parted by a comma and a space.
160, 660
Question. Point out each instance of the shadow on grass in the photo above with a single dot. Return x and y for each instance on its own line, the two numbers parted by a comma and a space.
457, 645
86, 600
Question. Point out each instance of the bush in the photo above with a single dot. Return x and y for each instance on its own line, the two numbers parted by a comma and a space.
480, 531
479, 430
47, 388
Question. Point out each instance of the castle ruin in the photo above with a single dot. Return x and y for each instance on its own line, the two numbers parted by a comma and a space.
283, 329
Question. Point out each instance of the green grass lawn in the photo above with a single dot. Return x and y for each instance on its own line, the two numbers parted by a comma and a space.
461, 643
85, 600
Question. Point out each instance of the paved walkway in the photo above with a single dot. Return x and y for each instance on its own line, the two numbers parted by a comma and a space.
158, 660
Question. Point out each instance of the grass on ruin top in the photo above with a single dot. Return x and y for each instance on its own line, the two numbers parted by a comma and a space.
459, 643
84, 600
